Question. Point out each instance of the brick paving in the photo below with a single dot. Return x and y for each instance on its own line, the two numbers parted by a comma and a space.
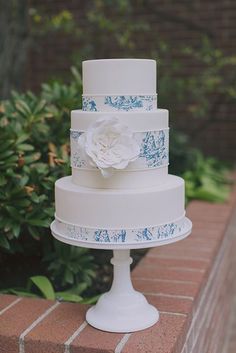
230, 339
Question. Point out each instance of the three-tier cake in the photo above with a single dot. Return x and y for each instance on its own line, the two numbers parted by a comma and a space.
120, 193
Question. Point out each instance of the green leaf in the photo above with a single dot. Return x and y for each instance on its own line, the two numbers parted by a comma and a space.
69, 278
40, 106
22, 203
20, 293
69, 297
32, 158
39, 222
3, 180
16, 230
92, 300
14, 213
80, 288
44, 286
35, 234
22, 138
25, 147
4, 242
23, 108
211, 194
23, 180
6, 154
6, 145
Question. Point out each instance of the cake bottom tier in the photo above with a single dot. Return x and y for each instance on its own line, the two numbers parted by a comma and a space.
132, 217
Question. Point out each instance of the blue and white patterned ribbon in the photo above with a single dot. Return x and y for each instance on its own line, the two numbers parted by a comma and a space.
155, 233
119, 103
154, 150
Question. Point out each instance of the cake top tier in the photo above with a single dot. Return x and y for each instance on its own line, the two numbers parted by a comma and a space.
119, 77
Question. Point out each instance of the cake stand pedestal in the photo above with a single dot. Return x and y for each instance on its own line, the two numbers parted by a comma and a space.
122, 309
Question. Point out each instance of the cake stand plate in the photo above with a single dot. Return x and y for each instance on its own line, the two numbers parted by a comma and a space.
120, 245
122, 309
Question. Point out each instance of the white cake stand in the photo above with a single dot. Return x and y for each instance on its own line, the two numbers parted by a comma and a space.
122, 309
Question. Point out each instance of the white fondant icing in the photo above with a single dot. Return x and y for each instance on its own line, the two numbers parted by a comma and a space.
135, 208
119, 77
124, 179
127, 208
136, 121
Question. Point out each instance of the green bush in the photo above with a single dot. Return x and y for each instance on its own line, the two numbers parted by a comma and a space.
34, 145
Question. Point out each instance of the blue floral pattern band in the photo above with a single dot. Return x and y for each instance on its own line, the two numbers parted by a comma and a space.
161, 232
154, 150
119, 103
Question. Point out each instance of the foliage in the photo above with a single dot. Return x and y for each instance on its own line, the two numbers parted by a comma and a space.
71, 266
41, 286
199, 95
34, 153
103, 18
205, 177
206, 89
207, 180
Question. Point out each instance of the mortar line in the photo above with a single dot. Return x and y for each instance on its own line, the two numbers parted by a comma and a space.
169, 295
73, 336
122, 343
10, 305
164, 280
33, 325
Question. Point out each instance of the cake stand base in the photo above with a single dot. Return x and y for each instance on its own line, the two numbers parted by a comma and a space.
122, 309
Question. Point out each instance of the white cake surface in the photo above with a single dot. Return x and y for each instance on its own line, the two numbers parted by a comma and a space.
139, 204
136, 121
115, 209
130, 177
124, 179
119, 77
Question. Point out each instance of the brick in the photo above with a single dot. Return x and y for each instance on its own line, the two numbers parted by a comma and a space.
17, 319
6, 300
55, 329
178, 251
201, 245
202, 240
218, 215
190, 289
93, 340
170, 262
210, 226
164, 336
203, 233
173, 304
170, 274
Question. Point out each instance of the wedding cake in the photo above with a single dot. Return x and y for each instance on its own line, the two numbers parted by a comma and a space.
120, 192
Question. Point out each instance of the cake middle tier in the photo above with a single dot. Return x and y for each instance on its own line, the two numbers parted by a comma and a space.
119, 209
150, 130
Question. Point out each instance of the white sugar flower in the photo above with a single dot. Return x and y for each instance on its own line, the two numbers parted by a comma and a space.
109, 145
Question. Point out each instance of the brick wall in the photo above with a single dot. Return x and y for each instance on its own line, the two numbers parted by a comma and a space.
180, 22
191, 282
